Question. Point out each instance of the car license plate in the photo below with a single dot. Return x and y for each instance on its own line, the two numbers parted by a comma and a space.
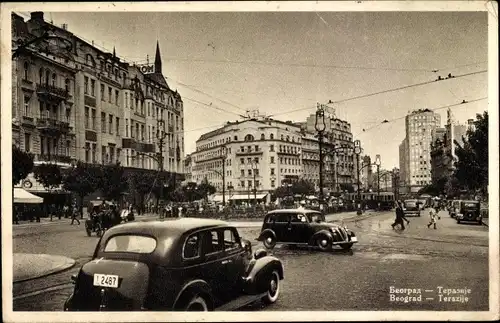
354, 239
106, 280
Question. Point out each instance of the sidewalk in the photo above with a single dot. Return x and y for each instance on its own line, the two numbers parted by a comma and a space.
32, 266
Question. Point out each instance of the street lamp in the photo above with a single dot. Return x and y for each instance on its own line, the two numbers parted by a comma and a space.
357, 152
377, 163
161, 135
320, 126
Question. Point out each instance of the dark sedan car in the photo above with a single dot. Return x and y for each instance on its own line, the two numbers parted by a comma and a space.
301, 226
411, 208
184, 264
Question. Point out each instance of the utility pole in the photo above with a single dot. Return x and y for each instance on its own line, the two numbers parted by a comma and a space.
320, 126
161, 135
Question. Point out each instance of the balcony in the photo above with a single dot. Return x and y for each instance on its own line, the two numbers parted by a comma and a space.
288, 153
52, 125
248, 152
28, 121
54, 158
51, 92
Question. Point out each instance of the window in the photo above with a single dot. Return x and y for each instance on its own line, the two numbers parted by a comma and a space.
272, 159
271, 148
103, 122
235, 138
131, 243
27, 142
26, 70
230, 240
87, 117
117, 126
40, 72
54, 79
256, 148
242, 183
249, 172
27, 110
262, 137
102, 92
242, 149
213, 244
87, 152
257, 184
242, 172
110, 94
242, 161
126, 99
272, 171
92, 87
67, 85
142, 132
126, 127
116, 96
110, 128
86, 85
279, 218
93, 119
249, 184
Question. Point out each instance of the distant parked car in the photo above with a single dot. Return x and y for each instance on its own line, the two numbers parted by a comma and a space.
454, 208
184, 264
304, 227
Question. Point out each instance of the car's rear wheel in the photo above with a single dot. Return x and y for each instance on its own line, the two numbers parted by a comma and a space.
269, 241
273, 289
324, 244
197, 303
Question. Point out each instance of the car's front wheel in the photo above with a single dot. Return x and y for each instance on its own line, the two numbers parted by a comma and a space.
273, 289
324, 244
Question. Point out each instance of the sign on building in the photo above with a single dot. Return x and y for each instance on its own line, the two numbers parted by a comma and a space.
147, 69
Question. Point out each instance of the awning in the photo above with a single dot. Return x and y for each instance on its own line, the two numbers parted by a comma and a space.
218, 198
247, 197
23, 196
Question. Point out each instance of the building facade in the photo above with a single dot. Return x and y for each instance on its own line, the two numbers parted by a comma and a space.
419, 125
73, 101
366, 173
259, 155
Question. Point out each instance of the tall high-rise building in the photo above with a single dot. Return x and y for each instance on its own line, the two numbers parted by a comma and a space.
416, 159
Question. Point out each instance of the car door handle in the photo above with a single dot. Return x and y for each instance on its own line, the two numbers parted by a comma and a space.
226, 262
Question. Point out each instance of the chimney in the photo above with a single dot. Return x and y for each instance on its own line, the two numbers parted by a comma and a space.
65, 26
37, 15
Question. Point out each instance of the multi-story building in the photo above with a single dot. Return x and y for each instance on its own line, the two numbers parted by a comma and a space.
417, 159
73, 101
403, 165
188, 164
339, 164
260, 154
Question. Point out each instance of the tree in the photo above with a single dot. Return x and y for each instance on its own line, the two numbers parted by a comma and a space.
471, 166
302, 187
22, 165
143, 183
81, 180
49, 175
205, 189
111, 181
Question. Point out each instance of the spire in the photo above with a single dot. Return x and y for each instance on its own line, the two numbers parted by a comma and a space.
114, 51
157, 59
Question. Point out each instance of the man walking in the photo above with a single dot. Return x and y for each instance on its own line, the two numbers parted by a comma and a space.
400, 216
74, 214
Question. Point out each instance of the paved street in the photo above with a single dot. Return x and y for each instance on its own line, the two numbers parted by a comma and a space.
453, 256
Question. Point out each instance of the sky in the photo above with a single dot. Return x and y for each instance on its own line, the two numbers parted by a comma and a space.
224, 63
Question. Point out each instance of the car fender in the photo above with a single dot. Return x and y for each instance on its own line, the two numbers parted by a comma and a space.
256, 279
67, 303
320, 233
197, 285
264, 233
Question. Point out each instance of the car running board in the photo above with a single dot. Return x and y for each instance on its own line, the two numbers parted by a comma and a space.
240, 302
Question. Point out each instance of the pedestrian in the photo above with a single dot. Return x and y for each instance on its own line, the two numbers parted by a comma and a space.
433, 217
400, 216
74, 215
15, 215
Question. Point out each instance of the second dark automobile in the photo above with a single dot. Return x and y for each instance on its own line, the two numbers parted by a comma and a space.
301, 226
184, 264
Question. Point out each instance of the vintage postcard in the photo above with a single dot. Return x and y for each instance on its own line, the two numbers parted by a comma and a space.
258, 161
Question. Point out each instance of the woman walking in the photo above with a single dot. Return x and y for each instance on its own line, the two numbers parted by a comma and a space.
433, 217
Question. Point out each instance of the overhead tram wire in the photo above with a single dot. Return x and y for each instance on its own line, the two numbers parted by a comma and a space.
436, 109
385, 91
214, 107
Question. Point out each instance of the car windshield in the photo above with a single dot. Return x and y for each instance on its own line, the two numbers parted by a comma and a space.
315, 217
130, 243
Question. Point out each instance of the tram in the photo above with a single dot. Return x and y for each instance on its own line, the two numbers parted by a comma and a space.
372, 200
